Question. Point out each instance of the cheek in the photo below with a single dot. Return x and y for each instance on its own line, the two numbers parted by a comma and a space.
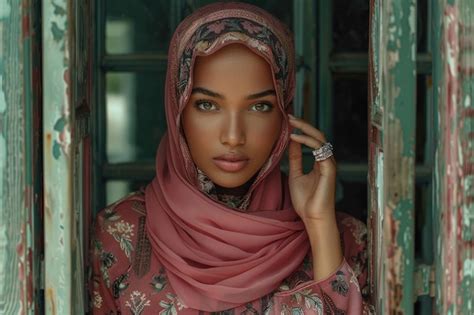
266, 133
194, 131
196, 135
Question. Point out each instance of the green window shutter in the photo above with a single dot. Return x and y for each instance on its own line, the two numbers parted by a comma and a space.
453, 196
392, 154
20, 158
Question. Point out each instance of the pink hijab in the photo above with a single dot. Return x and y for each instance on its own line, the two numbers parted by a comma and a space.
217, 258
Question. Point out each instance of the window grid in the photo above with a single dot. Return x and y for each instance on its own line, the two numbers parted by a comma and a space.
324, 67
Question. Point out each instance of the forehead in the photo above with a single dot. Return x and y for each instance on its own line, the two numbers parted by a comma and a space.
234, 59
234, 70
210, 37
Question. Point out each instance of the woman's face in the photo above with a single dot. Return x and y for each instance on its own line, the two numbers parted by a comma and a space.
232, 120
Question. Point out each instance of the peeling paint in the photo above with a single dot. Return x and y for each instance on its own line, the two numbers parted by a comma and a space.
62, 142
391, 145
467, 101
19, 209
455, 285
391, 179
424, 280
67, 152
392, 153
57, 160
50, 300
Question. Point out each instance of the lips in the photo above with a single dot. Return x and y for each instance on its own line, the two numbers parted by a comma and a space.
231, 162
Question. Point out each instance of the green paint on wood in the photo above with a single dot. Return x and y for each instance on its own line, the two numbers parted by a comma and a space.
467, 286
60, 124
58, 10
454, 206
19, 171
399, 128
59, 237
424, 280
58, 33
56, 150
393, 122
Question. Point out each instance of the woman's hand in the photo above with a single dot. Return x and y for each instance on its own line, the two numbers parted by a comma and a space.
312, 194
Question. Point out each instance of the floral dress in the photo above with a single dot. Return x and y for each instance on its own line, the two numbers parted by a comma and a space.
128, 279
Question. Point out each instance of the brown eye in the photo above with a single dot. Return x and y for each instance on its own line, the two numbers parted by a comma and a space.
205, 106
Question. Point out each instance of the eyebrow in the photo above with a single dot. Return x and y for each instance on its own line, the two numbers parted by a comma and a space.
261, 94
207, 92
217, 95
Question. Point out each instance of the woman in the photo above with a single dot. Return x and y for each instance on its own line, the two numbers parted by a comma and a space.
220, 229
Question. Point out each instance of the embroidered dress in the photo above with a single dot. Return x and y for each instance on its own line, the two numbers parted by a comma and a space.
129, 279
179, 248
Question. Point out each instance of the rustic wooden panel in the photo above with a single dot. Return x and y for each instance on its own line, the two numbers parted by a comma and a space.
67, 32
57, 134
392, 154
20, 163
82, 85
454, 178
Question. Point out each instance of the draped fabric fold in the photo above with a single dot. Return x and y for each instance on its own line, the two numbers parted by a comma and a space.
217, 258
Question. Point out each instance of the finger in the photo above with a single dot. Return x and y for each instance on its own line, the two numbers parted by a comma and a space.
309, 141
295, 159
307, 128
327, 166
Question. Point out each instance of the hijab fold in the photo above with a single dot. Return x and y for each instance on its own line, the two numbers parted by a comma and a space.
215, 257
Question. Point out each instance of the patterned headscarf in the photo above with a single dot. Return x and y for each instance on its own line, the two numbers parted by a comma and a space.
218, 258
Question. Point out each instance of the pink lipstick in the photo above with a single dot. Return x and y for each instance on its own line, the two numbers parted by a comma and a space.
231, 163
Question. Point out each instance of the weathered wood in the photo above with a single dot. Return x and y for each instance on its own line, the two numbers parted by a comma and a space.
58, 188
20, 163
454, 177
392, 71
82, 85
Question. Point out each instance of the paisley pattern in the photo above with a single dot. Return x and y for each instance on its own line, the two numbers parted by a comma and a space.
239, 203
119, 287
218, 32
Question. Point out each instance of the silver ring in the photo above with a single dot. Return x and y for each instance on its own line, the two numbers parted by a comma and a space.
323, 152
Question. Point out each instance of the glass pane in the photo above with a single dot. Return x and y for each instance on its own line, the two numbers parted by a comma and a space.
350, 118
424, 305
422, 25
350, 25
423, 224
137, 26
283, 10
423, 89
135, 119
353, 199
420, 212
117, 189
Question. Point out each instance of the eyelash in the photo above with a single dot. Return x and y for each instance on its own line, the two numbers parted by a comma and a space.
267, 104
198, 104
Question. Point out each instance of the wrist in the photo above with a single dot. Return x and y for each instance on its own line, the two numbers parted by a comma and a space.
327, 220
324, 238
321, 232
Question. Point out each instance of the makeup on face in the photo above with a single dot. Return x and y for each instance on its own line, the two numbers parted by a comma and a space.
231, 162
232, 120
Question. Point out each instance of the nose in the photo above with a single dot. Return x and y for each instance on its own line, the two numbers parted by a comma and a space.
233, 130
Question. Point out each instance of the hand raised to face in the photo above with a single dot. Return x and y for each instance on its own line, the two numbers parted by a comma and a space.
313, 194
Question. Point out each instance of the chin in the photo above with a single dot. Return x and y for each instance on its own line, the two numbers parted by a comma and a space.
229, 183
234, 180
